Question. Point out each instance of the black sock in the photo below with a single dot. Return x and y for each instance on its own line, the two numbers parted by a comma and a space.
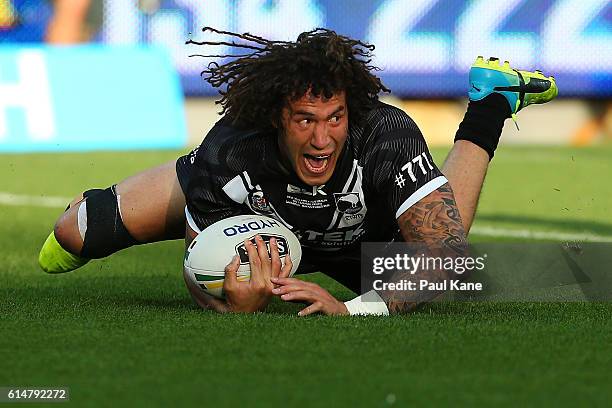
483, 122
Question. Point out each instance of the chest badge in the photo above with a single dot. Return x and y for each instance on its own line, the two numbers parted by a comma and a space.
259, 202
348, 203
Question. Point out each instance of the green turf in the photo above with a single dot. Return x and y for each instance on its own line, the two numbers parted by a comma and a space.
124, 329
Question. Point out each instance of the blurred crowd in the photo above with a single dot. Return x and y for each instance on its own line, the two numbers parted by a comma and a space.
65, 21
59, 21
74, 21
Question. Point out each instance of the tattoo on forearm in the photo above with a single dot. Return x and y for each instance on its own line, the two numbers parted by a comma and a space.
435, 222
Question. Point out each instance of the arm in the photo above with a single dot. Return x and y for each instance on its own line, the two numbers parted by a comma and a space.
435, 222
433, 225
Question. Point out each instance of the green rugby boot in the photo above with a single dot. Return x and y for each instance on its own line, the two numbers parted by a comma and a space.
520, 88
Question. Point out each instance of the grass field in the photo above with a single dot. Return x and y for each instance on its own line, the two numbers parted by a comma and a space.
125, 330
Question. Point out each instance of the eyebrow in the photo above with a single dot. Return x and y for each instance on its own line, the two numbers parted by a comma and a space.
310, 115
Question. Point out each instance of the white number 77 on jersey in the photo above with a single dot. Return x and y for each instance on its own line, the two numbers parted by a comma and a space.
409, 168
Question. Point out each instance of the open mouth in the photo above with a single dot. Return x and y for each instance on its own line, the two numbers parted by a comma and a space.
316, 164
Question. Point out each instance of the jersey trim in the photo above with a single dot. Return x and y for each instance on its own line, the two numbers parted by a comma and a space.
421, 193
238, 188
191, 222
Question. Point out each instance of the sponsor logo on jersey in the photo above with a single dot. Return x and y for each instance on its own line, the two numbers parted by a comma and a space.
348, 203
329, 239
281, 243
316, 190
259, 202
310, 201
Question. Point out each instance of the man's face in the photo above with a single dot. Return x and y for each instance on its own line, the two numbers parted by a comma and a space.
314, 132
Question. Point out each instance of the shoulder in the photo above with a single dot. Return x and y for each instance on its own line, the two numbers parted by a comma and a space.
225, 133
231, 146
387, 118
386, 127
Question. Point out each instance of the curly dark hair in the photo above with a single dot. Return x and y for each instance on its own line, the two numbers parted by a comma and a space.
256, 85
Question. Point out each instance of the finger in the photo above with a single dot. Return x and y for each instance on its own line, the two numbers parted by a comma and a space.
294, 281
314, 308
286, 270
281, 290
262, 251
254, 261
300, 296
285, 281
275, 261
231, 272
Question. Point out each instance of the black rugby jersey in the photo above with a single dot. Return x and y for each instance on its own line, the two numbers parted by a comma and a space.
383, 169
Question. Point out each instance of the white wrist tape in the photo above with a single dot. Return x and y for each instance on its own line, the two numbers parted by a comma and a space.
369, 303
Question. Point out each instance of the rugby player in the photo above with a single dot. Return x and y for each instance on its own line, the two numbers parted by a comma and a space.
304, 139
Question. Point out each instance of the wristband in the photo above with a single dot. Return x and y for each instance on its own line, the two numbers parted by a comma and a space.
369, 303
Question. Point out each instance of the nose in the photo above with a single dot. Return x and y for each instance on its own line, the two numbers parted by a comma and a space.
320, 137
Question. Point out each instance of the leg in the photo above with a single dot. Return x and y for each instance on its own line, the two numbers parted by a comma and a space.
150, 206
465, 168
497, 92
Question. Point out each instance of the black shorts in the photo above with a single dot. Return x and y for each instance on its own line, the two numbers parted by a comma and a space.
343, 266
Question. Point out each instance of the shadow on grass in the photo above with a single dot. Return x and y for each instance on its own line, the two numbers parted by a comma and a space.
50, 295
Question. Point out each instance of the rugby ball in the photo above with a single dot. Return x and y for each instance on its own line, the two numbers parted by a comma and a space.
213, 248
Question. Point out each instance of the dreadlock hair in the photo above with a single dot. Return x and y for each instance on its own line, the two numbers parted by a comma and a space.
256, 85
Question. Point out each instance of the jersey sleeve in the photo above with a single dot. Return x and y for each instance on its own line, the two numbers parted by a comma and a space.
215, 173
398, 167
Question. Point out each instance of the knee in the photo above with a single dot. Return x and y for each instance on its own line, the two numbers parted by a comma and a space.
99, 223
66, 231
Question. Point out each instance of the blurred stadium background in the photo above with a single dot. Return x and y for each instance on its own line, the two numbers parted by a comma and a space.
92, 91
424, 47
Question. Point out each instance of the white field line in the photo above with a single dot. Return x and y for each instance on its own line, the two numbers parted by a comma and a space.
20, 200
531, 234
